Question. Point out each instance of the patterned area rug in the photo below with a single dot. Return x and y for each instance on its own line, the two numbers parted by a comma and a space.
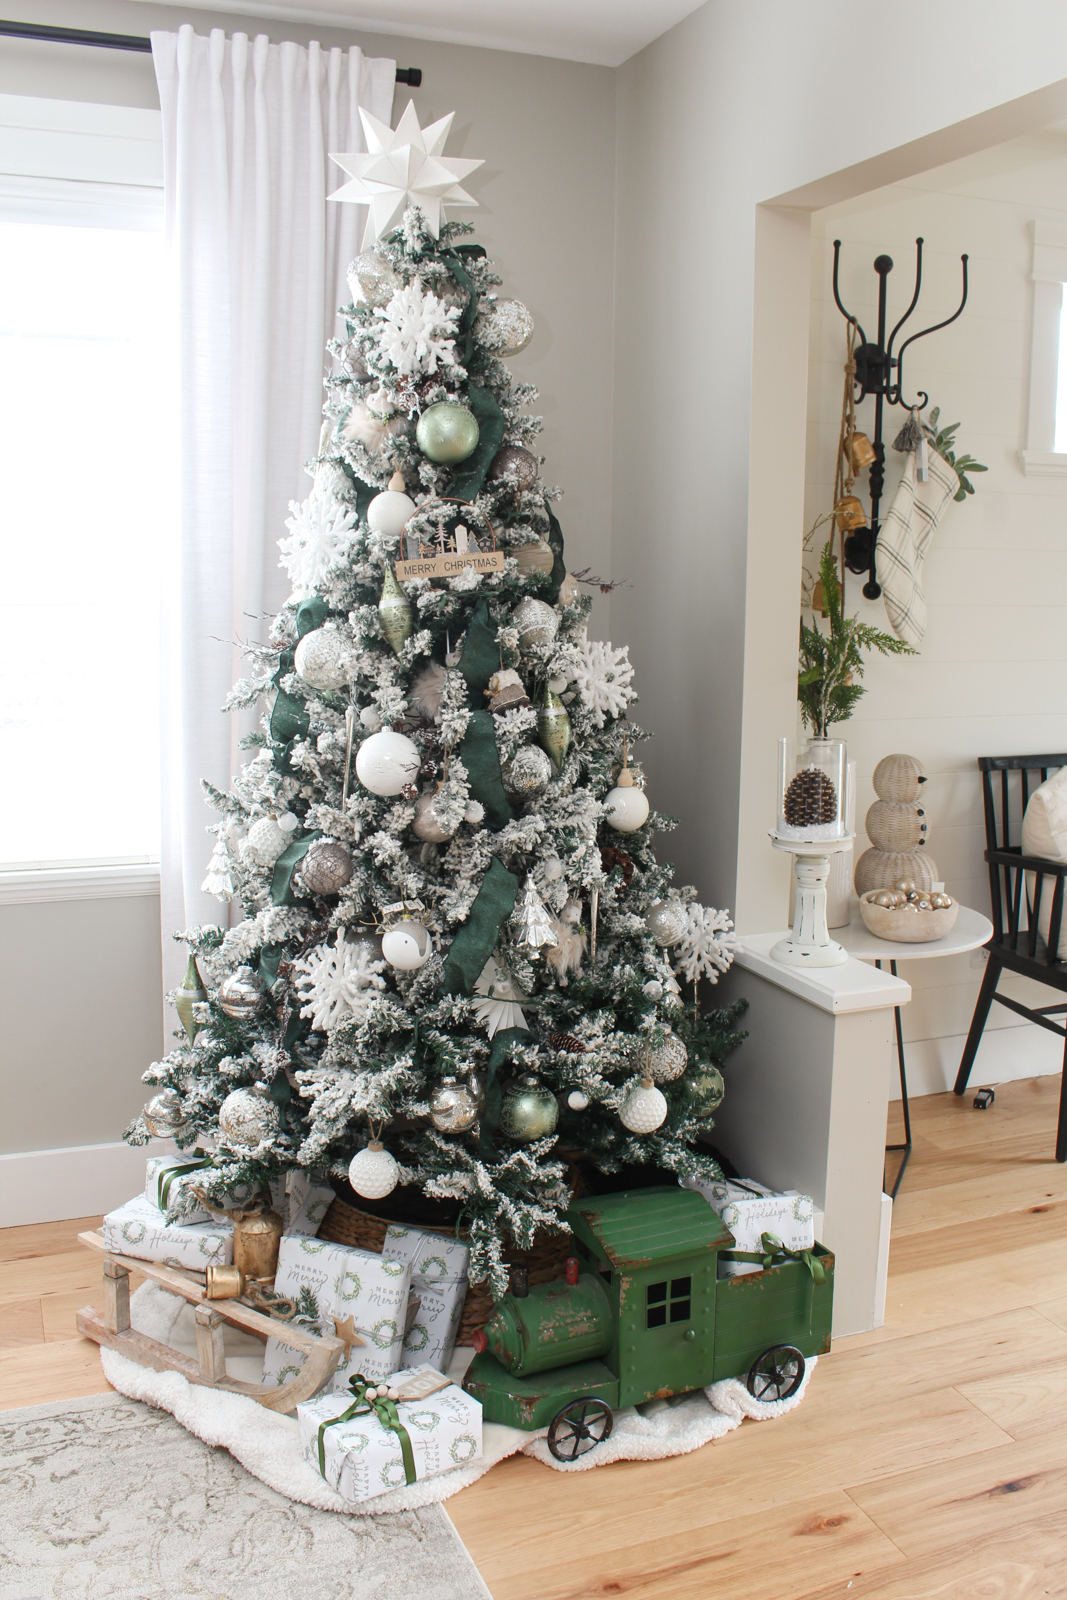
108, 1499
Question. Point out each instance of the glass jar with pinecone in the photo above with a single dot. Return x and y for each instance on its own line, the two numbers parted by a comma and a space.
812, 792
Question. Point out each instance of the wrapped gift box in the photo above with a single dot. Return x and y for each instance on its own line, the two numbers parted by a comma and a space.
308, 1203
750, 1209
363, 1457
140, 1229
351, 1293
167, 1188
439, 1281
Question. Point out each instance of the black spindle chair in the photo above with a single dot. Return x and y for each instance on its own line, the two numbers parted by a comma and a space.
1017, 944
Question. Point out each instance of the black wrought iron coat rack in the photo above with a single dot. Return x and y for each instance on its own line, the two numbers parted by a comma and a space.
875, 368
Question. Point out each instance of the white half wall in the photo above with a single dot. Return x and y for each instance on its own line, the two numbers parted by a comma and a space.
79, 1181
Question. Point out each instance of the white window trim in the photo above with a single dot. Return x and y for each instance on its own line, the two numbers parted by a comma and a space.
1048, 275
30, 886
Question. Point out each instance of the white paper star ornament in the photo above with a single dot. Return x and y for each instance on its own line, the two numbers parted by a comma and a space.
404, 167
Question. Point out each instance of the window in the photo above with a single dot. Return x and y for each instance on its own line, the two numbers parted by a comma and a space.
668, 1302
1046, 433
87, 452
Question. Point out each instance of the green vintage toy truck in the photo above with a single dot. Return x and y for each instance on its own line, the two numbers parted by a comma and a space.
642, 1314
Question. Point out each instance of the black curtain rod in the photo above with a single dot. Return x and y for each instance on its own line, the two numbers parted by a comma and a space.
412, 76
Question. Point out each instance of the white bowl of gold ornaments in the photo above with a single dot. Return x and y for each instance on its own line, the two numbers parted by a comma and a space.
908, 914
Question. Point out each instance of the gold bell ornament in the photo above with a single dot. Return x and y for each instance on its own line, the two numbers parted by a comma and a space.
861, 451
257, 1235
849, 513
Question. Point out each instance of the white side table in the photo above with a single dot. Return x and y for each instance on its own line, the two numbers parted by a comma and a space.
971, 930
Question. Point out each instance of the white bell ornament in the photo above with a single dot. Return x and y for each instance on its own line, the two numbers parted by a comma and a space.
390, 510
373, 1172
644, 1109
387, 762
628, 806
408, 946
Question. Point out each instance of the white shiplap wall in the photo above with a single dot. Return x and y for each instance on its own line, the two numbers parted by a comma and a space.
992, 675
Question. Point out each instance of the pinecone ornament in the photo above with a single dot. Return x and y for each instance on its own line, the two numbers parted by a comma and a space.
569, 1043
810, 799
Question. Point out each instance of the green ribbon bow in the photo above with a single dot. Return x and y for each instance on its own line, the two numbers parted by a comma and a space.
164, 1182
387, 1414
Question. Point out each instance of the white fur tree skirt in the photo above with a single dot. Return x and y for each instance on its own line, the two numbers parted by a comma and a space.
268, 1445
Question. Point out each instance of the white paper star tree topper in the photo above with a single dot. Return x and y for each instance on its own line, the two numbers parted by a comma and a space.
404, 167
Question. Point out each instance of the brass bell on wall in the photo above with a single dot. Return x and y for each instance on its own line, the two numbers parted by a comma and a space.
861, 451
849, 513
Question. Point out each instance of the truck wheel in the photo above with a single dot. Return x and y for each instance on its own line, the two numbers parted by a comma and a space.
777, 1373
578, 1426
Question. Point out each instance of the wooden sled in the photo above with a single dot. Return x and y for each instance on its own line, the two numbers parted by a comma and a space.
209, 1367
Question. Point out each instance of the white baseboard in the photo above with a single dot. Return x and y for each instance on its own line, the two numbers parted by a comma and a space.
1005, 1054
53, 1185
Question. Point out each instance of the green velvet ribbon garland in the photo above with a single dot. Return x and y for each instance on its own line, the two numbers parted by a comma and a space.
480, 658
165, 1181
468, 479
281, 884
465, 328
555, 544
475, 941
386, 1412
289, 719
503, 1041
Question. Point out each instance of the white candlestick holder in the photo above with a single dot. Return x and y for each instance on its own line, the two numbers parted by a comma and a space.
810, 944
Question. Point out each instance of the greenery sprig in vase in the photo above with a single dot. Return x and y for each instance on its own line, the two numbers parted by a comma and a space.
831, 664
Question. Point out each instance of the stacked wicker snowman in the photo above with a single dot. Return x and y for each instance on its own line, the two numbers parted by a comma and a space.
896, 827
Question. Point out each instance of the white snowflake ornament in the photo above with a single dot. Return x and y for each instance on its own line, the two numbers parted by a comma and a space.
320, 537
338, 984
418, 332
602, 676
707, 946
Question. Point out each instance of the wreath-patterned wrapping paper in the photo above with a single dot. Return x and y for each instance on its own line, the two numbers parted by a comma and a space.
363, 1457
333, 1284
439, 1282
141, 1230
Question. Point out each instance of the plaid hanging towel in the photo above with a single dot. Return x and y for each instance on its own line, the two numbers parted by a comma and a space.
904, 540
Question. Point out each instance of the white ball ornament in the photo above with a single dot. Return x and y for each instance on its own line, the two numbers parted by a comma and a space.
390, 510
407, 947
372, 1172
387, 762
537, 622
627, 806
668, 1060
644, 1109
370, 718
268, 837
318, 658
577, 1100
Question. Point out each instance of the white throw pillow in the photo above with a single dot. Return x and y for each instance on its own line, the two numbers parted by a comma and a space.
1045, 834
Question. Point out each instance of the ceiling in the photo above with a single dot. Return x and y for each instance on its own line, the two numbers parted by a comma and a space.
605, 32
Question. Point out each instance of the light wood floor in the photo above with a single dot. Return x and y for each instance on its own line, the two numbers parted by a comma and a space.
929, 1461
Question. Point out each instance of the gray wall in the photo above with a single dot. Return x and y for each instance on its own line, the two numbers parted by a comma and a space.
79, 1003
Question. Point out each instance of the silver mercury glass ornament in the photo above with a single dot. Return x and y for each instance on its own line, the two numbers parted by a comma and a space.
537, 623
247, 1117
667, 922
532, 923
455, 1106
162, 1116
326, 867
242, 994
528, 773
667, 1061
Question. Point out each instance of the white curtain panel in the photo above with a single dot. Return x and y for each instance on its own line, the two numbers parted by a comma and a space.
259, 260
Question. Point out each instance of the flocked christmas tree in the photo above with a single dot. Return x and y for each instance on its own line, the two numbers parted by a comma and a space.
458, 966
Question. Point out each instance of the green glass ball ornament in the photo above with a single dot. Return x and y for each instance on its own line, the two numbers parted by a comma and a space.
447, 432
706, 1090
528, 1111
